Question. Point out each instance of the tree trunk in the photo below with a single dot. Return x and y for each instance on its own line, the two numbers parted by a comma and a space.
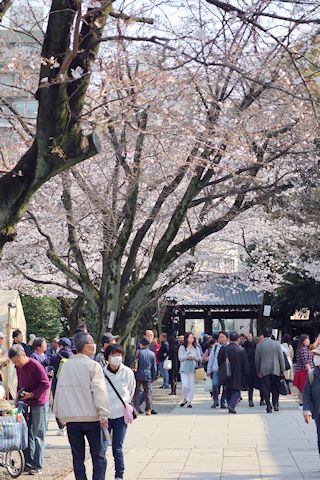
264, 321
72, 311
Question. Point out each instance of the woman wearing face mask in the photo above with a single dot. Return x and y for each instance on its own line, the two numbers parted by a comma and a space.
311, 394
123, 381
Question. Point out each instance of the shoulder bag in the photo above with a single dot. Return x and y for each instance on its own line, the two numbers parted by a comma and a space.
284, 387
129, 413
286, 362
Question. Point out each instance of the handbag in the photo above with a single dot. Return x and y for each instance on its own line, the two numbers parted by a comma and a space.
167, 364
200, 374
284, 387
208, 387
287, 365
225, 372
129, 413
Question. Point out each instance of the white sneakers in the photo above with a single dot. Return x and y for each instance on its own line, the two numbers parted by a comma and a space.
62, 432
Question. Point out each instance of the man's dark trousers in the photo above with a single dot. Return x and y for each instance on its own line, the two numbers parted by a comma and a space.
270, 384
232, 397
77, 431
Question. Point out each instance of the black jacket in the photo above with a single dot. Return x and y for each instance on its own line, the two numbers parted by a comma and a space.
239, 365
163, 352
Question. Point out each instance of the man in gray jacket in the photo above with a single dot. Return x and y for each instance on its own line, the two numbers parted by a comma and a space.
270, 366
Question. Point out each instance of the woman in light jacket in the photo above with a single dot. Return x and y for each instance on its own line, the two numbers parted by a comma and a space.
124, 382
189, 357
286, 345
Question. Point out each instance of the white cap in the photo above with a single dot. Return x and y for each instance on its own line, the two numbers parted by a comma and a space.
1, 335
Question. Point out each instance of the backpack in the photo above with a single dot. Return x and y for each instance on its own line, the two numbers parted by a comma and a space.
61, 363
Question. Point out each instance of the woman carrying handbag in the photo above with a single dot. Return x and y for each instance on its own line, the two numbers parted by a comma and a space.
121, 386
189, 358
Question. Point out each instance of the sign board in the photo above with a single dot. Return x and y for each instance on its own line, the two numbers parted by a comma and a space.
303, 314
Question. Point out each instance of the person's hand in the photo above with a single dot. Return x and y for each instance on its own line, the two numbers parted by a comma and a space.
307, 417
27, 396
104, 423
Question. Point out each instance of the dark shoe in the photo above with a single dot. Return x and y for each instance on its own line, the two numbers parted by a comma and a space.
269, 410
215, 405
224, 406
232, 410
140, 411
182, 404
276, 408
189, 406
161, 386
251, 404
153, 412
262, 403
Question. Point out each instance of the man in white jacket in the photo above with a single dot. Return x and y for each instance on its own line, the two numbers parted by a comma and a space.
81, 402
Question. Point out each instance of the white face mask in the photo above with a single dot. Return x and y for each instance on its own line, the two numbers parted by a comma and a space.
316, 360
116, 360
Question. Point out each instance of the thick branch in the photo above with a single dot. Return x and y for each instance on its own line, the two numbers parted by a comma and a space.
4, 7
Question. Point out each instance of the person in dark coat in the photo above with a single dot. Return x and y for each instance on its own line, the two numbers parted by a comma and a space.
173, 373
64, 351
145, 374
253, 379
162, 355
239, 370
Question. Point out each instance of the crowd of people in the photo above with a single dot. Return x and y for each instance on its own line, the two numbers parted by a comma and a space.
96, 396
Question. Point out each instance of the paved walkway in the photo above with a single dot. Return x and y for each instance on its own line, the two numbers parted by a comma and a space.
203, 444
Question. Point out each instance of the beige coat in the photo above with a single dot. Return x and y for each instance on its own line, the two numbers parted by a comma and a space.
81, 394
288, 350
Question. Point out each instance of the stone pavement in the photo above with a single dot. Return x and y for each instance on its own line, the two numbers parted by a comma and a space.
203, 444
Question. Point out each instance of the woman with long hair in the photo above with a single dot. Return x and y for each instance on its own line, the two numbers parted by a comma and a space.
287, 348
304, 364
189, 357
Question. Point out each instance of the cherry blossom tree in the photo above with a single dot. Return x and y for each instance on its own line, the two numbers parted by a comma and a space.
67, 54
200, 130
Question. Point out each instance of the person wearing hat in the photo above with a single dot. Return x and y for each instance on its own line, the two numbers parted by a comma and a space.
63, 352
106, 340
311, 394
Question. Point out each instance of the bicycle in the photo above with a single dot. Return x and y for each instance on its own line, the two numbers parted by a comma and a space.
13, 462
13, 439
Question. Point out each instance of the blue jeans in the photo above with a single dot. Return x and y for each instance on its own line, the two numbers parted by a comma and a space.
143, 397
164, 374
215, 389
119, 430
232, 397
37, 427
77, 431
